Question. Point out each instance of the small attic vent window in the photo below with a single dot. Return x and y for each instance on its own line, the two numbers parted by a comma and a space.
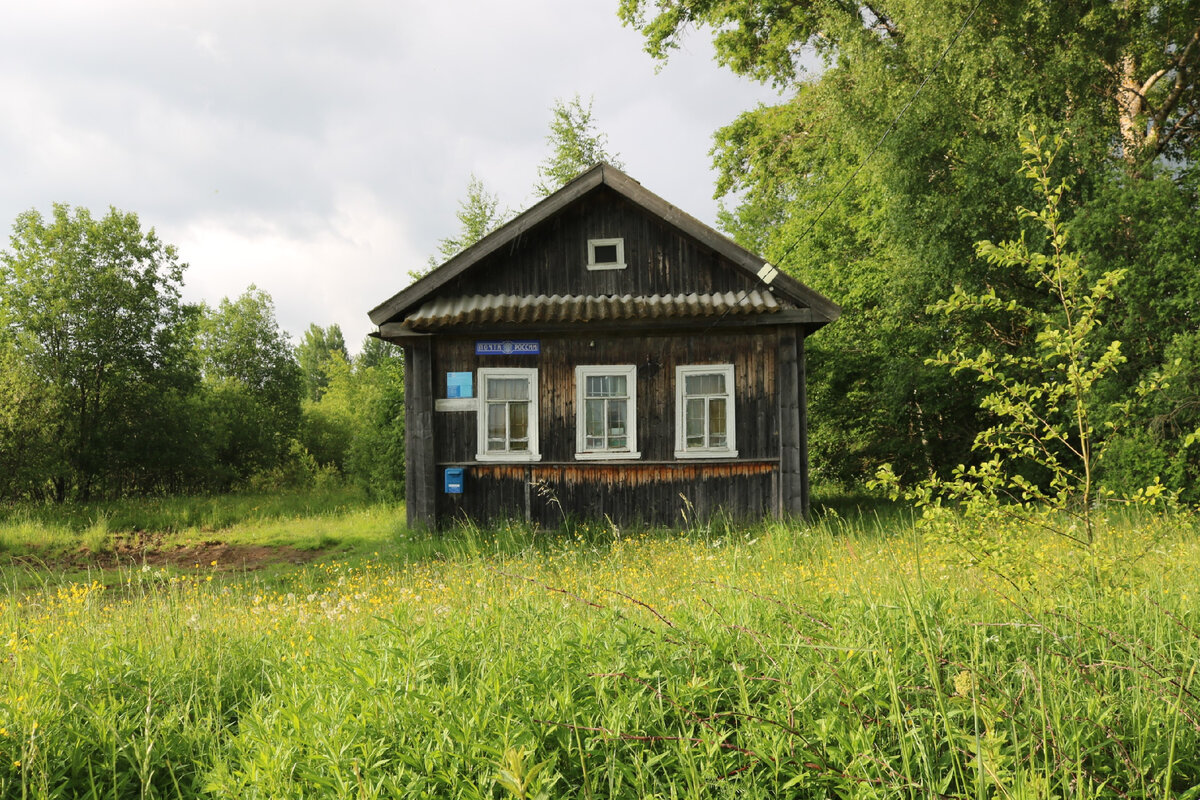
606, 254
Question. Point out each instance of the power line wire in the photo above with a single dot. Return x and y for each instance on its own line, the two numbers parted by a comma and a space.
882, 139
928, 76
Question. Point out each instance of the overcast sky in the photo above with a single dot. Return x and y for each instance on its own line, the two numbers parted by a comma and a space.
319, 150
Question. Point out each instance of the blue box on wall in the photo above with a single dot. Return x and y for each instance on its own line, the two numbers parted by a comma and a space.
454, 480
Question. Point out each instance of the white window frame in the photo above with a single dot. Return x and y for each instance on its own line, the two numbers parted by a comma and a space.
681, 448
488, 373
582, 373
594, 243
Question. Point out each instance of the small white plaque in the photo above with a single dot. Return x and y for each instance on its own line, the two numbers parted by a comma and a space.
455, 404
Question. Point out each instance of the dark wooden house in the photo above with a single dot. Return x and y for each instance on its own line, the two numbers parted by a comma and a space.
604, 354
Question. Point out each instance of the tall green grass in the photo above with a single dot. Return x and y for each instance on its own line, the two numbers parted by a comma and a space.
829, 661
318, 519
183, 512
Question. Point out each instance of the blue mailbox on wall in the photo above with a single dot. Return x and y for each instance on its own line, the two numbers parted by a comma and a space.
454, 480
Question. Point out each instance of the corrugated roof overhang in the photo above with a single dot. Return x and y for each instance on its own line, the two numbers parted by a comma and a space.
518, 309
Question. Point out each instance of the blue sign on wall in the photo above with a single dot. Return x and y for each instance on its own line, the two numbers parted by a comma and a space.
525, 347
458, 384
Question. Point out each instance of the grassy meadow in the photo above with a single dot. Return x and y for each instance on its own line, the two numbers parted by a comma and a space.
853, 658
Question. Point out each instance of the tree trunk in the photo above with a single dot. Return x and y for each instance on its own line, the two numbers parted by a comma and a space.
1130, 106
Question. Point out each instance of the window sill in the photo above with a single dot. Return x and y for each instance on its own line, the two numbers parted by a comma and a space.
611, 455
600, 267
688, 454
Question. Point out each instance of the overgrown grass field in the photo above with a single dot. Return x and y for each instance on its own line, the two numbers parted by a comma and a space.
837, 660
278, 518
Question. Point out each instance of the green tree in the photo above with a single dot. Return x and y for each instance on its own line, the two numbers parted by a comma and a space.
1139, 58
357, 426
331, 422
376, 351
1148, 226
479, 213
575, 145
317, 347
1050, 426
891, 155
375, 458
1044, 405
97, 351
253, 386
29, 453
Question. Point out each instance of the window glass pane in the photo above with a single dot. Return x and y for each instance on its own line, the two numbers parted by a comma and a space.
606, 386
694, 423
594, 418
518, 421
508, 389
495, 426
605, 253
716, 422
616, 417
711, 383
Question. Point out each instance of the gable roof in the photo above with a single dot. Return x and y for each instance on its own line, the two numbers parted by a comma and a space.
399, 305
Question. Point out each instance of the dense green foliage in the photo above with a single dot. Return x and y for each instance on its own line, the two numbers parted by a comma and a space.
834, 661
317, 348
253, 387
356, 428
1041, 456
887, 232
111, 386
96, 358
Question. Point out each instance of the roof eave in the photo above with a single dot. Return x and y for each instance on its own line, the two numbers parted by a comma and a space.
608, 175
439, 277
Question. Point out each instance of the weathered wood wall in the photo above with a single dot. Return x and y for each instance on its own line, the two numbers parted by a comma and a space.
651, 489
672, 495
420, 477
552, 258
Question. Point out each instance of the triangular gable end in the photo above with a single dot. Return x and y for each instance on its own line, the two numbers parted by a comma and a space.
756, 273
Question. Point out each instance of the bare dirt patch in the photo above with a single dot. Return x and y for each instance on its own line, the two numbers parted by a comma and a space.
151, 548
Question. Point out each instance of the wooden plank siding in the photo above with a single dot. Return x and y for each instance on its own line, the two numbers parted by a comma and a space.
649, 489
420, 479
791, 466
672, 495
552, 257
802, 389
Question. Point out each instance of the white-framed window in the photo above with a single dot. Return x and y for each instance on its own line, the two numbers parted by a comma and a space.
508, 418
606, 412
704, 411
606, 254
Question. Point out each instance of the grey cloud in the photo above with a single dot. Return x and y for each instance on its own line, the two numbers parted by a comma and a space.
258, 119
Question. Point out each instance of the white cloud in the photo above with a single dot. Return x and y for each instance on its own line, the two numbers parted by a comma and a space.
319, 150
